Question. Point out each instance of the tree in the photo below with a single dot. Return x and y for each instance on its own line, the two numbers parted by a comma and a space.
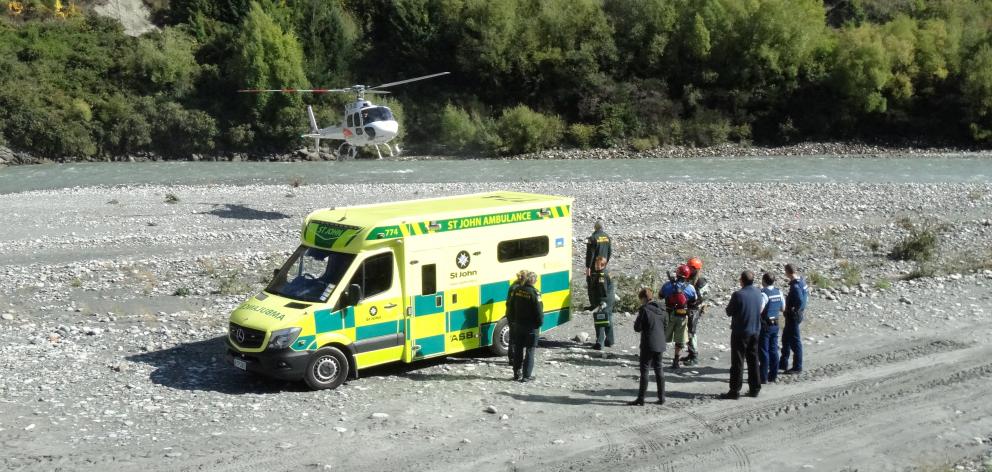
977, 88
268, 57
329, 36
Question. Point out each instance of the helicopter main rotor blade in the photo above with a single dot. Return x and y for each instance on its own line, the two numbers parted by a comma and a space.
377, 92
390, 84
292, 90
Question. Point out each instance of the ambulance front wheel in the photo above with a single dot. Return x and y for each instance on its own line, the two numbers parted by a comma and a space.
327, 368
501, 338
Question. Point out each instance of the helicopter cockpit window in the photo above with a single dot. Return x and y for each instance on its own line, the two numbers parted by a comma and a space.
377, 114
351, 122
356, 119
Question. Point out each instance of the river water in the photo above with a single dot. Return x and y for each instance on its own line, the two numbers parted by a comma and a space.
952, 168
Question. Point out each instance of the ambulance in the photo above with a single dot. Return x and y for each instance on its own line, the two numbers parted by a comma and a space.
399, 282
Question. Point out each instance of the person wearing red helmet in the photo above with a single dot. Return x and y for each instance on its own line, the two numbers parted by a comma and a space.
696, 309
678, 294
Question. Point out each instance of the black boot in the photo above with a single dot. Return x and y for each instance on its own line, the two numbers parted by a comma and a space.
637, 402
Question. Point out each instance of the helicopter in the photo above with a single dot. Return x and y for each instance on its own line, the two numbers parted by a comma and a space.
363, 124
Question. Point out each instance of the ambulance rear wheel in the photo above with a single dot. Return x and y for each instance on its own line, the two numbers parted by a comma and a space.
327, 368
501, 338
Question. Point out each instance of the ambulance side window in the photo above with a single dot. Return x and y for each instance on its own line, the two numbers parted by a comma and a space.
526, 248
428, 279
375, 275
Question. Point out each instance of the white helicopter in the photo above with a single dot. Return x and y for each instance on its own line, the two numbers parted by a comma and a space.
364, 124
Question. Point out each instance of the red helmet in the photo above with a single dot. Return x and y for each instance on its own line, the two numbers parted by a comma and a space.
683, 271
695, 263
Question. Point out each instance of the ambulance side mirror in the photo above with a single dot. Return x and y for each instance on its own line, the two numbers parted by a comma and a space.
353, 295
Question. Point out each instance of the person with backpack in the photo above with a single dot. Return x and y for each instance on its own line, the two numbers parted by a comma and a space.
678, 294
602, 298
696, 309
744, 310
597, 245
768, 337
650, 322
795, 309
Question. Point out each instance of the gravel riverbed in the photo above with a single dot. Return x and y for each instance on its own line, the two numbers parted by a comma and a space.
114, 304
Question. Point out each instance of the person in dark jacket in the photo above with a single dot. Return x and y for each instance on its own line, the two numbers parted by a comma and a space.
744, 311
795, 309
602, 298
597, 245
650, 323
521, 276
528, 311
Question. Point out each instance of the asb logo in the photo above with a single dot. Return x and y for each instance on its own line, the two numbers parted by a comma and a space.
463, 260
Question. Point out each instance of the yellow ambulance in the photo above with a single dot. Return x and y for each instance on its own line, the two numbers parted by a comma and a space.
403, 281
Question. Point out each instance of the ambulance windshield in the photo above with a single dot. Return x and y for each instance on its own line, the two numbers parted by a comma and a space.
311, 274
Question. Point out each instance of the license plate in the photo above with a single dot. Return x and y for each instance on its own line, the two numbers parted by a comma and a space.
241, 364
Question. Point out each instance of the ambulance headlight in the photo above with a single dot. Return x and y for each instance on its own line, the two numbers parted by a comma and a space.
283, 338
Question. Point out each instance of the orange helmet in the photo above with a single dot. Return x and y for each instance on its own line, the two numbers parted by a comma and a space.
695, 263
683, 271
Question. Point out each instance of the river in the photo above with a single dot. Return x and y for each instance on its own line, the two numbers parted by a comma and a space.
952, 168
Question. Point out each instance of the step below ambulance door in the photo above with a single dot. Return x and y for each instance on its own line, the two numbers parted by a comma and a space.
377, 298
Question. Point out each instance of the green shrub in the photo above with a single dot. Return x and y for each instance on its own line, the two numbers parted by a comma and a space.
458, 130
759, 251
706, 128
850, 274
920, 244
923, 269
820, 280
181, 292
522, 130
643, 144
873, 244
171, 198
232, 284
581, 135
883, 284
626, 287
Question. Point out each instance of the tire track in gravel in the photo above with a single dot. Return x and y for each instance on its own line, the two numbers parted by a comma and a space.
845, 403
876, 357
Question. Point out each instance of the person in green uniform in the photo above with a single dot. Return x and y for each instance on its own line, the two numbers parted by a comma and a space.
597, 245
528, 311
602, 297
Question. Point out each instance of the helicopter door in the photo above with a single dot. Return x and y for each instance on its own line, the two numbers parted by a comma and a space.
358, 123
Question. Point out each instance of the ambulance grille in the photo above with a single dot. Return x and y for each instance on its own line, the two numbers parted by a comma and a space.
246, 337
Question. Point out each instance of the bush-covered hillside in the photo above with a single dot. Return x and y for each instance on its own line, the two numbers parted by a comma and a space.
526, 74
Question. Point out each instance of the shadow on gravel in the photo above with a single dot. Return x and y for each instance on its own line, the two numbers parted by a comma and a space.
706, 374
632, 392
241, 212
200, 366
563, 399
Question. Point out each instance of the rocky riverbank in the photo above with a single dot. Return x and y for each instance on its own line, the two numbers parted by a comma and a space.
114, 305
11, 157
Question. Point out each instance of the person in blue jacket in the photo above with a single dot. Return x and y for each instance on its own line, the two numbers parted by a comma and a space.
795, 310
768, 338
